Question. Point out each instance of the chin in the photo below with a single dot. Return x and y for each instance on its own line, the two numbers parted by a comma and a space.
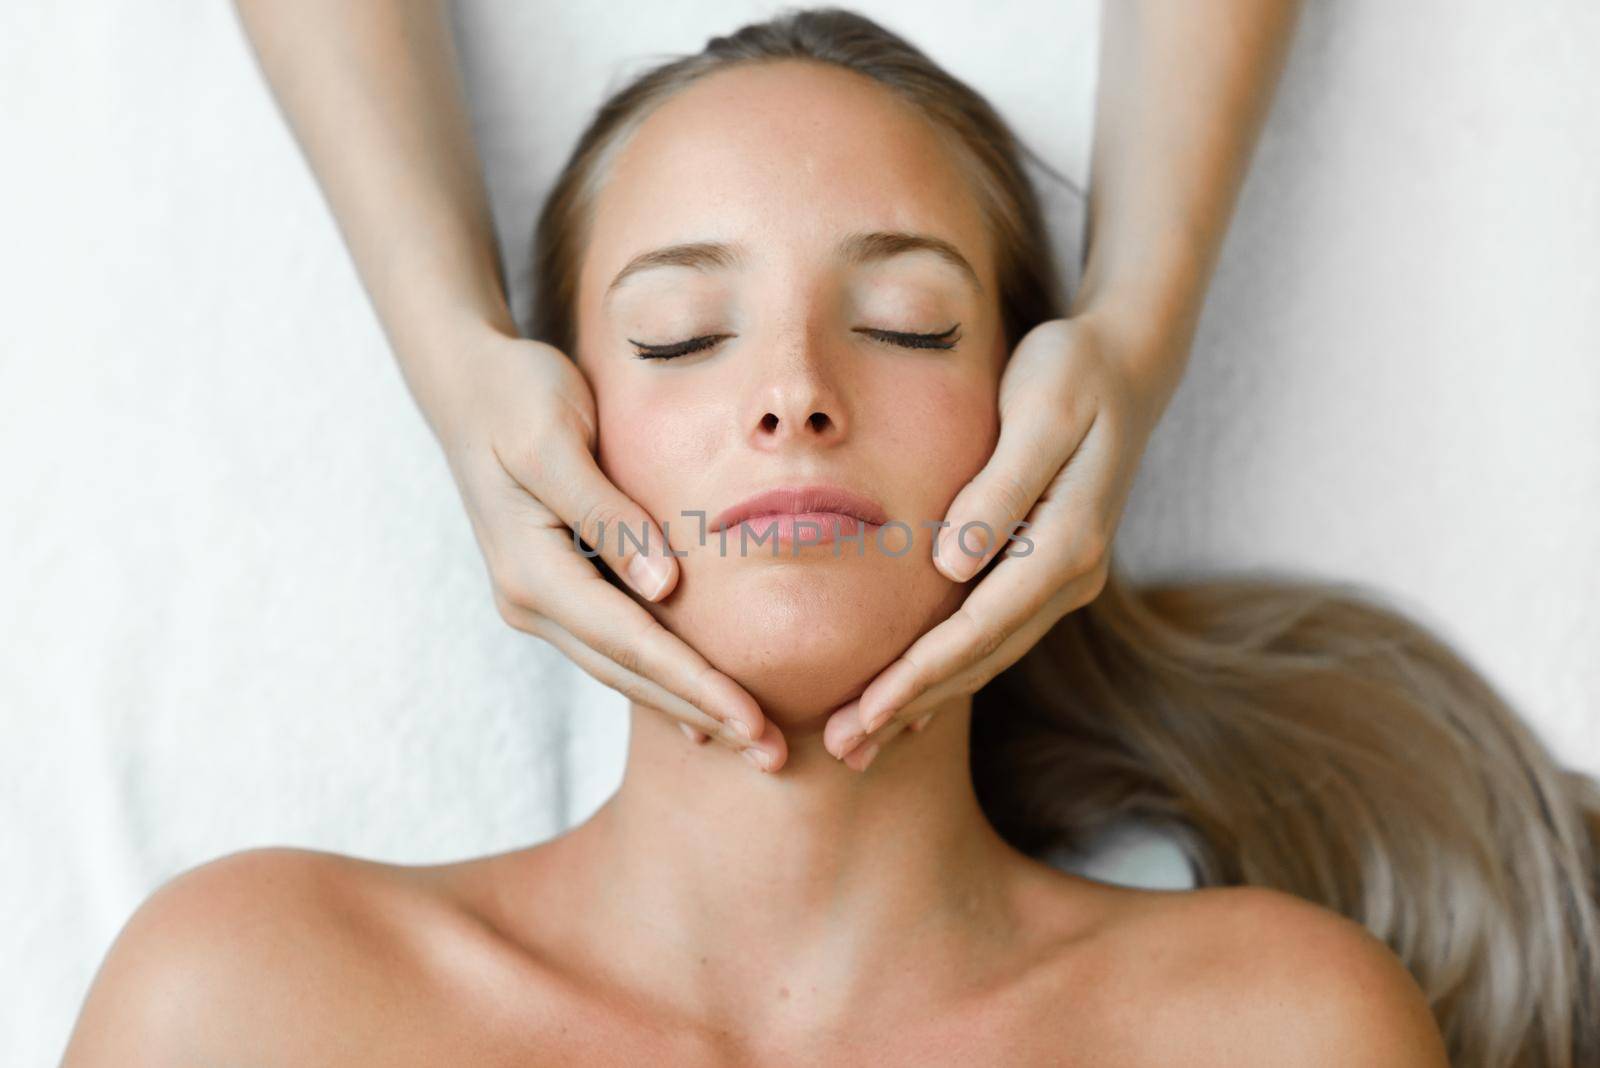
805, 637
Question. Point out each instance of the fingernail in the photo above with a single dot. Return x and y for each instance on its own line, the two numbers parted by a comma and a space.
688, 732
742, 728
849, 743
959, 567
868, 754
648, 575
756, 757
921, 722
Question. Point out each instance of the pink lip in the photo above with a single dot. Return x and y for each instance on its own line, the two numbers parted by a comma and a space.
827, 511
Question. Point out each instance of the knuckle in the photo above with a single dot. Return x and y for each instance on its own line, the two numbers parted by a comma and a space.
514, 593
510, 611
1089, 552
919, 671
525, 620
535, 469
576, 419
987, 638
1010, 497
598, 521
1098, 576
536, 461
625, 655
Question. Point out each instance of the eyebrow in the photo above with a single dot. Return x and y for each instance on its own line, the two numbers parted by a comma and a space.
856, 249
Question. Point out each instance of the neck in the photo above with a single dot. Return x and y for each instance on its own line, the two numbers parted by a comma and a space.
803, 888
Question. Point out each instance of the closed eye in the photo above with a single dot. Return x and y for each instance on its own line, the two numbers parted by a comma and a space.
677, 348
945, 339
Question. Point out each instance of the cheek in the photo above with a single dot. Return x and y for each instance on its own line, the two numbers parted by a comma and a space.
940, 432
653, 438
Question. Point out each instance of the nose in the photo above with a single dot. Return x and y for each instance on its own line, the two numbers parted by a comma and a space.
797, 402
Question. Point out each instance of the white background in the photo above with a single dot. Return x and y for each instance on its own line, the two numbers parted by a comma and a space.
240, 603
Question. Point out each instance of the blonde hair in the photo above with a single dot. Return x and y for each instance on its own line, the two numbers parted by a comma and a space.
1292, 735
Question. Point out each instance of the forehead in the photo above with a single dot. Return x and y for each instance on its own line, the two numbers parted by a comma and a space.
783, 156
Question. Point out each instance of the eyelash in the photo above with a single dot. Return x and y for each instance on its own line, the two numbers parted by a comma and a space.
945, 339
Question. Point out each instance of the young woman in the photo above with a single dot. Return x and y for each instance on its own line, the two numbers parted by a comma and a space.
369, 89
792, 268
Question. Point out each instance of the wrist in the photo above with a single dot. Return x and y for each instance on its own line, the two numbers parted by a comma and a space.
1146, 319
1150, 350
445, 368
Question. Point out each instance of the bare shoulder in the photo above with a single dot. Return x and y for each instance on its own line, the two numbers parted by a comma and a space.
258, 950
1247, 975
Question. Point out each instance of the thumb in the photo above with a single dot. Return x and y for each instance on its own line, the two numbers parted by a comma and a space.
614, 527
988, 508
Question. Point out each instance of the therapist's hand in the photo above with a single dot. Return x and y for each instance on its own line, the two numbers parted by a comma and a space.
519, 432
1073, 427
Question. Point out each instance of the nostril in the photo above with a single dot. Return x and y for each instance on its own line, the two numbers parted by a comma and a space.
816, 421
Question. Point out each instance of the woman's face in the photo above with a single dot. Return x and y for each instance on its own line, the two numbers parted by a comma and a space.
790, 167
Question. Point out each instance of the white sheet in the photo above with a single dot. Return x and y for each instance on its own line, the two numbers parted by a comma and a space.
243, 605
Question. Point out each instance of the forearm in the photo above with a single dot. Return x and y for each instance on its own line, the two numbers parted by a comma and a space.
371, 92
1183, 90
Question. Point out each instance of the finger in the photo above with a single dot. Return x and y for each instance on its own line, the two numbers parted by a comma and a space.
976, 676
1008, 597
695, 737
631, 685
566, 479
619, 629
859, 758
1026, 458
843, 731
1069, 544
769, 753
